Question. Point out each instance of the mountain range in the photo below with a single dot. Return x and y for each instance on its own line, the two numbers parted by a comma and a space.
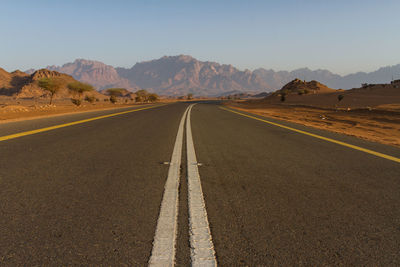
180, 75
279, 78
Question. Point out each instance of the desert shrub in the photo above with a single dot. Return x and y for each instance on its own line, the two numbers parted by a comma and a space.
106, 99
340, 97
300, 92
76, 102
113, 99
79, 88
306, 91
97, 100
90, 99
283, 95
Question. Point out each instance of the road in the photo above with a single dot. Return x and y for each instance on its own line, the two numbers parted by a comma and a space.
193, 184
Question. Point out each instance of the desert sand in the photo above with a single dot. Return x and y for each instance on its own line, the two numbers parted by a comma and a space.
381, 124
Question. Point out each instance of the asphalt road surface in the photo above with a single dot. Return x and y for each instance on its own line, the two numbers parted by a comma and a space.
193, 184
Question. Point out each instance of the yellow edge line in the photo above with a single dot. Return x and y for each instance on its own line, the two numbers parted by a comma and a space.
12, 136
320, 137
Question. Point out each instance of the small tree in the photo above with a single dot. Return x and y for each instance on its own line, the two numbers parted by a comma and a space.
76, 102
153, 97
79, 88
51, 85
138, 99
113, 99
283, 96
340, 97
142, 96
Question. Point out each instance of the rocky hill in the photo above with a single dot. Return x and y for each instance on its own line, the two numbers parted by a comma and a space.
11, 83
22, 85
313, 87
382, 96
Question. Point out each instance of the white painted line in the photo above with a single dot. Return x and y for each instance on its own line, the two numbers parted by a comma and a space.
201, 246
163, 253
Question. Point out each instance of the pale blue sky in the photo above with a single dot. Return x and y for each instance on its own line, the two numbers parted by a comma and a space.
342, 36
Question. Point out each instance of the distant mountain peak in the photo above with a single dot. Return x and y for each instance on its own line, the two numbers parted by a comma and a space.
183, 74
95, 63
183, 57
94, 72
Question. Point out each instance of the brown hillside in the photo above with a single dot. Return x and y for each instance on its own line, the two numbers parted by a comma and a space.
31, 89
312, 87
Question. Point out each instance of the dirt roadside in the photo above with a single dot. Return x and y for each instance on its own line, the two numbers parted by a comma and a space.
28, 110
377, 125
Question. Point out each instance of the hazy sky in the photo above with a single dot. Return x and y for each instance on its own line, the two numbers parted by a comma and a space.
342, 36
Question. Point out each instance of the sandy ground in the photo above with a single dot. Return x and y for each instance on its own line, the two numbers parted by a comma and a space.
22, 109
380, 124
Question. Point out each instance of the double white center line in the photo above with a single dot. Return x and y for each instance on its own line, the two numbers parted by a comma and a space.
201, 247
